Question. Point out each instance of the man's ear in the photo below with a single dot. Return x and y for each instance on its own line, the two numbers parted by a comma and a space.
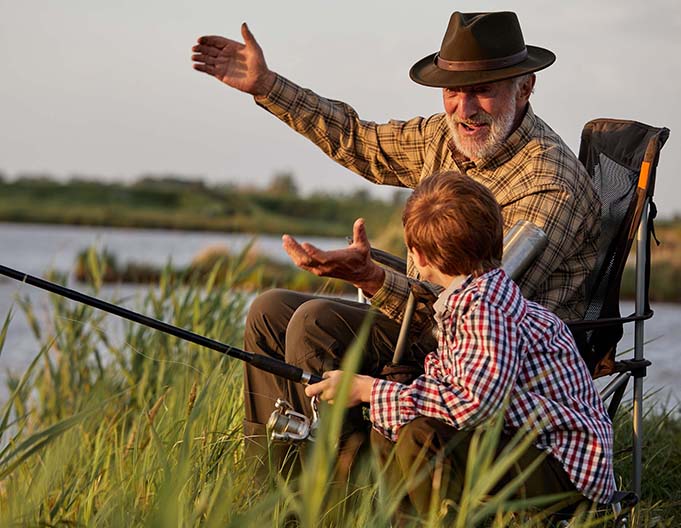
526, 88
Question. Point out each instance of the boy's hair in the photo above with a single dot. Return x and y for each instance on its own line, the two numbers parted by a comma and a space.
455, 223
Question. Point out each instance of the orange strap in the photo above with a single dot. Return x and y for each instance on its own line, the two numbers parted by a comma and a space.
643, 176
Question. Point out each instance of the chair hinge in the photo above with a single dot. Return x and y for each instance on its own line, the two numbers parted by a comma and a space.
637, 367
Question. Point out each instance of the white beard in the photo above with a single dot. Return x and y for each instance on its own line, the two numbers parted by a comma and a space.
499, 129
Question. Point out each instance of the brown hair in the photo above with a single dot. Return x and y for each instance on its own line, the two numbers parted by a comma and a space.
455, 223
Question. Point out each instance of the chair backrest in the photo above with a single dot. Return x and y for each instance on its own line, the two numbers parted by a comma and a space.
621, 158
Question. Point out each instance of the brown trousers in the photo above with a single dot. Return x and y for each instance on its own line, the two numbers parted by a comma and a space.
431, 456
312, 333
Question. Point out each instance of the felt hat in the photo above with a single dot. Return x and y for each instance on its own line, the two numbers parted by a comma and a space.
480, 48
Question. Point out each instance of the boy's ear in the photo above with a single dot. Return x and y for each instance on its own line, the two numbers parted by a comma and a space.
420, 260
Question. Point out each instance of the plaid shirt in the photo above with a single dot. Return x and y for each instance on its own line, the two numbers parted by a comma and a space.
533, 175
493, 344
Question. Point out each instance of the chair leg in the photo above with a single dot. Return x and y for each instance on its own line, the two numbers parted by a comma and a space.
638, 443
641, 268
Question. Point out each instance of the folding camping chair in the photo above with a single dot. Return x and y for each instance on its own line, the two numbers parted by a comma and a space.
621, 158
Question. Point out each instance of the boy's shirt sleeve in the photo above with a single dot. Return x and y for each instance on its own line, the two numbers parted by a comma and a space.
465, 381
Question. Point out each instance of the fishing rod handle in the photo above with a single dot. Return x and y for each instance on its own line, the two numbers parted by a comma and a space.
284, 370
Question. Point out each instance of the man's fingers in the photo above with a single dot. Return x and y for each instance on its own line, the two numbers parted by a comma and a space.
210, 70
249, 39
291, 245
206, 59
313, 252
230, 49
296, 251
211, 51
213, 40
359, 233
304, 251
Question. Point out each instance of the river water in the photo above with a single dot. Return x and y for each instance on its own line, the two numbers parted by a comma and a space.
34, 249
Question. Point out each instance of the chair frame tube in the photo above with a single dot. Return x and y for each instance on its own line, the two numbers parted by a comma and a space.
641, 251
615, 385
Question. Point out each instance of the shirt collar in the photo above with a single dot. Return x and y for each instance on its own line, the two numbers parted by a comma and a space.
509, 148
440, 304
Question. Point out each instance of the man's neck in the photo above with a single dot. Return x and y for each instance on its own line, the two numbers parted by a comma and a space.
518, 120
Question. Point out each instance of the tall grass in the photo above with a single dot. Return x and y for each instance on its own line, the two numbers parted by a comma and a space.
132, 427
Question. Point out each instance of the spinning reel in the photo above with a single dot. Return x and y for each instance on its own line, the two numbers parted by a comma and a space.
288, 426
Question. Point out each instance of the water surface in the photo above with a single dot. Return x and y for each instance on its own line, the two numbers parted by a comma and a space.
35, 249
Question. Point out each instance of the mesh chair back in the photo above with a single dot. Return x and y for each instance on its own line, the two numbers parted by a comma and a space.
621, 158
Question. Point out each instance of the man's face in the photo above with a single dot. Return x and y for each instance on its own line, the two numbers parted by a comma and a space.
482, 116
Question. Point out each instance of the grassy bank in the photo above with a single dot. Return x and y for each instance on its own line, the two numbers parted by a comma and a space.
174, 203
665, 276
140, 429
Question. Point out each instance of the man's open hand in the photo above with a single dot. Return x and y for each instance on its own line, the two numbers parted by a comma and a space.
241, 66
352, 264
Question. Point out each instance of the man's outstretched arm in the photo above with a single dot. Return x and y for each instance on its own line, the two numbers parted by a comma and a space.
241, 66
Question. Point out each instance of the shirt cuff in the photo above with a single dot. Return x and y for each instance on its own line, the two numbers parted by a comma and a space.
276, 101
392, 296
384, 407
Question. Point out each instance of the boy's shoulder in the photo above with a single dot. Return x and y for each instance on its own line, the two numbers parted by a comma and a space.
501, 294
493, 289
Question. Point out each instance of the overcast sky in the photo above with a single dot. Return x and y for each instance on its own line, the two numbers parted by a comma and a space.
99, 88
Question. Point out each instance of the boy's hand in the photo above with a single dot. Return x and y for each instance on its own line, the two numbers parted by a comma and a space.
352, 264
360, 390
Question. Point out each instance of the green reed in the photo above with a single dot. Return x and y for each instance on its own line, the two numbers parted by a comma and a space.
124, 426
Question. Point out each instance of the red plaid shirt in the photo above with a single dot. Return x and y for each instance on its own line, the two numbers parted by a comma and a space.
492, 341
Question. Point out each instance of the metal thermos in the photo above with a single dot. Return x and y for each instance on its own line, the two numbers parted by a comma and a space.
522, 245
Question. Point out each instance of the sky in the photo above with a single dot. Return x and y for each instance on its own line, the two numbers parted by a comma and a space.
105, 89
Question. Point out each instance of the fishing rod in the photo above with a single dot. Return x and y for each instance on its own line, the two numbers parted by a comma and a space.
268, 364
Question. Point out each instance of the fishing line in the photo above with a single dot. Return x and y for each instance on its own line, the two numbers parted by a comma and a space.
125, 344
262, 362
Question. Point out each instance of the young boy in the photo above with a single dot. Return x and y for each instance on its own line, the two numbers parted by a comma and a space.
493, 346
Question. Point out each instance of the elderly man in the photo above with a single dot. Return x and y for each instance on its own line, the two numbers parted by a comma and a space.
488, 131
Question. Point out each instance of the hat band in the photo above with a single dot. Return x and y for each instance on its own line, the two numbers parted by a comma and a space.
481, 65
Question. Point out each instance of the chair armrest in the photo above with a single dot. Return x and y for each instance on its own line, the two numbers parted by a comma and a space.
522, 245
388, 259
583, 324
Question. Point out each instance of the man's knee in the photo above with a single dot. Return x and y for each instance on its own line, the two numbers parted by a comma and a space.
267, 319
263, 305
319, 327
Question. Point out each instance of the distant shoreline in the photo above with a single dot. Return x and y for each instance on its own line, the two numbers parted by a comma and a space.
176, 204
191, 205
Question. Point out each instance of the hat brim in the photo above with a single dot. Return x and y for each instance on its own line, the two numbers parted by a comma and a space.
426, 72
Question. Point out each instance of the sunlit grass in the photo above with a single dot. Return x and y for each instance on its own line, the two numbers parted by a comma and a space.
137, 428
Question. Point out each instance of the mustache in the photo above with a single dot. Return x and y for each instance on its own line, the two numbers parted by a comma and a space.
482, 119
